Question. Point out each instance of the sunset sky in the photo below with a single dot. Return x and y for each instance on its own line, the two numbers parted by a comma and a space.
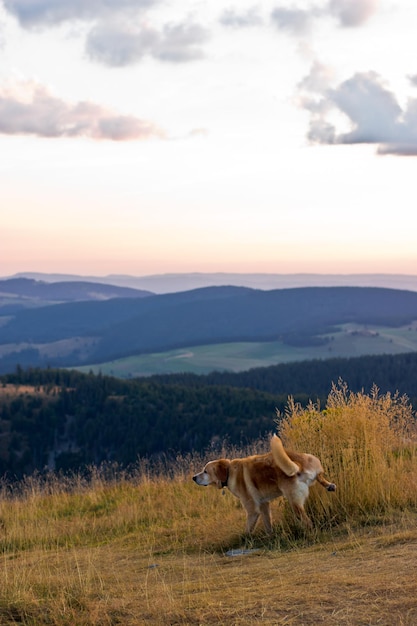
150, 136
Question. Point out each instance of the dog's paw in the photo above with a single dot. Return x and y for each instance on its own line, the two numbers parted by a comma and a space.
331, 487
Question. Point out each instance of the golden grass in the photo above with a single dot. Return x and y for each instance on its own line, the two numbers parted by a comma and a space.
152, 548
17, 390
368, 446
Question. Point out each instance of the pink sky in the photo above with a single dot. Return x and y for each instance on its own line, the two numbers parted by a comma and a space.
198, 137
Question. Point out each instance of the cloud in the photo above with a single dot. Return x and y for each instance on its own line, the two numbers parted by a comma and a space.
300, 22
293, 21
371, 110
29, 109
120, 44
181, 42
352, 12
319, 79
37, 13
235, 19
116, 38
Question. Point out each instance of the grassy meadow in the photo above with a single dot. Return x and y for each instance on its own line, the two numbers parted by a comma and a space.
350, 340
150, 547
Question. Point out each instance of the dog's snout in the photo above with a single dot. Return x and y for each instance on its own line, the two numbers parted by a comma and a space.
195, 478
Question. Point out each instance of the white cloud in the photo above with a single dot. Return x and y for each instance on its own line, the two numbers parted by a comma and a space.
300, 22
352, 12
293, 21
413, 80
181, 42
29, 109
241, 19
120, 44
38, 13
116, 36
371, 109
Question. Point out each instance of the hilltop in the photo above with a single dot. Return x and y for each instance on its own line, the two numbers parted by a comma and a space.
20, 293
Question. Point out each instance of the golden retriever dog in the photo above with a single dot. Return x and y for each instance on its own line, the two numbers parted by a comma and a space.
258, 479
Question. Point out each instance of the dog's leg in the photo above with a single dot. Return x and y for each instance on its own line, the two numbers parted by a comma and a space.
266, 516
252, 513
302, 515
329, 486
297, 500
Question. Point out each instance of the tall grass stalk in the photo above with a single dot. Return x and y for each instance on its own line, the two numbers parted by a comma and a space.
368, 446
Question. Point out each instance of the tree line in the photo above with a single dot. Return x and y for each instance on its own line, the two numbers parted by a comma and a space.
70, 419
63, 420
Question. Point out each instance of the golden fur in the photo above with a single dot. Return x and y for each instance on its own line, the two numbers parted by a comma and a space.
258, 479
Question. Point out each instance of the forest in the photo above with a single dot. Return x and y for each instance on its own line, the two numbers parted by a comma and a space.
55, 419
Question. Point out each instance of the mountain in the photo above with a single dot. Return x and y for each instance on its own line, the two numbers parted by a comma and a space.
170, 283
17, 293
78, 333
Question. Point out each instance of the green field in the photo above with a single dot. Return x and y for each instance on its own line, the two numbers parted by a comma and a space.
350, 341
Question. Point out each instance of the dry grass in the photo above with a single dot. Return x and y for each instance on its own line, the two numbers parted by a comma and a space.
368, 445
153, 549
13, 391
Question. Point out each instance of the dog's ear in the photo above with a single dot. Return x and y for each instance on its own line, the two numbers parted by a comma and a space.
221, 471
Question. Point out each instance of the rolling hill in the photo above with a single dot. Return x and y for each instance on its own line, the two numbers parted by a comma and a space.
20, 293
97, 331
174, 282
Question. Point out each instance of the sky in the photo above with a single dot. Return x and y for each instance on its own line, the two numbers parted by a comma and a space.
149, 136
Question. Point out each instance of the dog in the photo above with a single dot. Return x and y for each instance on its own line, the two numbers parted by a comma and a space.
258, 479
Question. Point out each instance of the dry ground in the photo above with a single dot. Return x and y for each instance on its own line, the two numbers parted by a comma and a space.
366, 577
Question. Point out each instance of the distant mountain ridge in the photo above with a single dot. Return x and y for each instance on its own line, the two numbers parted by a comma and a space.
173, 282
88, 332
16, 293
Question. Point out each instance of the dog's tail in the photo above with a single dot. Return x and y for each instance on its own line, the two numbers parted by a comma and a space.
282, 459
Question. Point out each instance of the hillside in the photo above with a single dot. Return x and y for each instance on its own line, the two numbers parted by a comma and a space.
346, 341
63, 419
104, 545
156, 551
20, 293
80, 333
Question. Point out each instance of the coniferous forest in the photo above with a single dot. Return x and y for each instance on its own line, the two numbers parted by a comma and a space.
63, 420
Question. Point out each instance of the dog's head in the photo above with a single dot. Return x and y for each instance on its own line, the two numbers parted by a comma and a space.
215, 473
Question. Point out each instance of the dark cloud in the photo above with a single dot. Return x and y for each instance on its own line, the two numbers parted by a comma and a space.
34, 111
371, 110
241, 19
120, 44
37, 13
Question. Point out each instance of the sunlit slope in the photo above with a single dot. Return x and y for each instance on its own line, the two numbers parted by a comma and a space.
349, 340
